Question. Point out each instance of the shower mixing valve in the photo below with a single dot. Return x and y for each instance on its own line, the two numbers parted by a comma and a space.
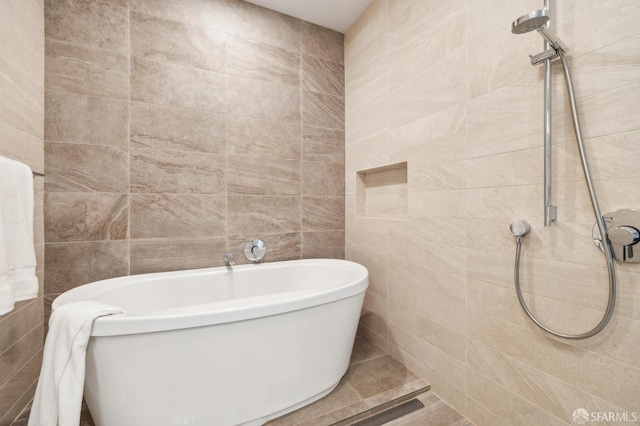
623, 231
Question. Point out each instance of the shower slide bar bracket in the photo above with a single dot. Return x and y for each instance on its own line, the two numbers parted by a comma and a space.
540, 58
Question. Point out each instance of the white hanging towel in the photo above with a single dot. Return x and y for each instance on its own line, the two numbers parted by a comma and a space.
58, 398
17, 255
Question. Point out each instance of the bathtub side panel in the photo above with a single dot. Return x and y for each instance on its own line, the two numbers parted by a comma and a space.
225, 374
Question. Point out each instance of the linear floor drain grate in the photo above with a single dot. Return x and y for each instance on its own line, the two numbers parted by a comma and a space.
391, 414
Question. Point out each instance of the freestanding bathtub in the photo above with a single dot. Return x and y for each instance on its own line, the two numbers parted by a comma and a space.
221, 346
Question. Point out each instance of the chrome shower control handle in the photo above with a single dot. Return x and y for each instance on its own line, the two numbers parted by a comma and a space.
622, 232
624, 235
254, 250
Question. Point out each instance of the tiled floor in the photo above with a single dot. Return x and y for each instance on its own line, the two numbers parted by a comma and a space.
373, 379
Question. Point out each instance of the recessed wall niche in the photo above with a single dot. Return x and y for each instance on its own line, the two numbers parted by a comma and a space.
381, 192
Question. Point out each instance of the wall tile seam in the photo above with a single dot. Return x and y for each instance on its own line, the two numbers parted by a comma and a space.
635, 270
226, 33
485, 408
534, 405
124, 101
224, 73
371, 330
557, 340
122, 148
459, 364
100, 242
92, 193
142, 103
29, 391
23, 131
559, 102
27, 335
510, 286
17, 310
571, 57
18, 83
202, 153
448, 300
110, 98
267, 156
111, 4
539, 372
37, 354
121, 53
532, 328
31, 330
436, 343
421, 315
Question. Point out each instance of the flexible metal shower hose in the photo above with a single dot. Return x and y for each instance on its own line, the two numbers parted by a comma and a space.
599, 220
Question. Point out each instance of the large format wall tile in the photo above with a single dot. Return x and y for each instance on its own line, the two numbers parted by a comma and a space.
254, 98
322, 144
68, 265
256, 23
194, 46
94, 24
322, 42
320, 178
84, 119
251, 175
86, 168
322, 213
176, 216
263, 138
320, 110
159, 255
21, 146
155, 171
169, 84
22, 383
319, 75
263, 214
85, 217
14, 358
323, 244
79, 69
176, 129
263, 62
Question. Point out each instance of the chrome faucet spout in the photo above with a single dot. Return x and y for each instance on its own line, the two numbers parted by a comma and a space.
228, 259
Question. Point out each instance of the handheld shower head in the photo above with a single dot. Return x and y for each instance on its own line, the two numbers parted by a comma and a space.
537, 20
529, 22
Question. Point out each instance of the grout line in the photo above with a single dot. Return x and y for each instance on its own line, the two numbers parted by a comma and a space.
128, 195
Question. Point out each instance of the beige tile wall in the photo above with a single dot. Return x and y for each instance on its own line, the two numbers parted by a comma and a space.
21, 138
178, 130
447, 88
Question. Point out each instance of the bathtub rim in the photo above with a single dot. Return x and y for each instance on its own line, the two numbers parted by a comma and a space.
226, 311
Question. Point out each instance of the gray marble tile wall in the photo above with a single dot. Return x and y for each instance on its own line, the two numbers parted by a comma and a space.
177, 130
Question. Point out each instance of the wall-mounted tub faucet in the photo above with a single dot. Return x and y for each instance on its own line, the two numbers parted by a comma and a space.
254, 250
228, 259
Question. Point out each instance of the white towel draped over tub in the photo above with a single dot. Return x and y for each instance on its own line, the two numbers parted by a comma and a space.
17, 255
58, 398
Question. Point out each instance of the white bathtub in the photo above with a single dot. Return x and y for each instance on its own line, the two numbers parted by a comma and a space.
220, 346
